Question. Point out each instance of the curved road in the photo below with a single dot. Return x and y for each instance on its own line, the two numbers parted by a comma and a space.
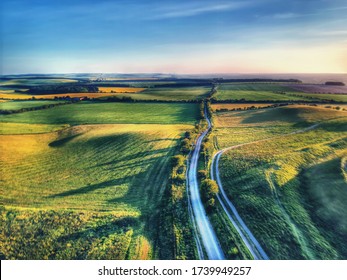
246, 235
200, 220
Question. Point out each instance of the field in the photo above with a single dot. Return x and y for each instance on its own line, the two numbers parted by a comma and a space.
230, 107
120, 89
102, 207
290, 185
17, 105
107, 113
34, 81
270, 92
320, 88
171, 93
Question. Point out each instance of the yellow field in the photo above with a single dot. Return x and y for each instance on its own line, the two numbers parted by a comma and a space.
120, 89
14, 96
237, 106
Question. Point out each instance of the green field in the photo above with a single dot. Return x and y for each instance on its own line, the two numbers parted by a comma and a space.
289, 189
170, 94
269, 92
17, 105
85, 192
99, 113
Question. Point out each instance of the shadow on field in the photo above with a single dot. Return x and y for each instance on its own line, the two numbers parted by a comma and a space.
102, 230
279, 114
139, 157
89, 188
62, 142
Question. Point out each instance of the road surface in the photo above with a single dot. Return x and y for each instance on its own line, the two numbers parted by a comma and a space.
201, 222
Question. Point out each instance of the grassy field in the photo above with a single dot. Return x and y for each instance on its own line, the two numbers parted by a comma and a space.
17, 105
254, 92
24, 128
172, 94
99, 113
290, 189
86, 192
270, 92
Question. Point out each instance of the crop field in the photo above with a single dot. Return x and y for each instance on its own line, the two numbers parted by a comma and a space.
171, 94
11, 95
120, 89
321, 97
105, 203
273, 92
255, 92
290, 189
319, 88
106, 113
17, 105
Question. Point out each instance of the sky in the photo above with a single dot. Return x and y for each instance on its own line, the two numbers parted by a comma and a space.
179, 37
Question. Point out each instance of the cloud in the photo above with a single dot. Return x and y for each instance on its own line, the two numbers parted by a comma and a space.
194, 9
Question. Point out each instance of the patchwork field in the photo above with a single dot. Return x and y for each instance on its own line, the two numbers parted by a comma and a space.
99, 113
289, 185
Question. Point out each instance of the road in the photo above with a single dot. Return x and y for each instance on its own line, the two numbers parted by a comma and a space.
246, 235
201, 222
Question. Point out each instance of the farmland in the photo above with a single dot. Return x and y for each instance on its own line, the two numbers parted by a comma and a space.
271, 92
171, 93
17, 105
113, 192
107, 113
120, 89
279, 185
95, 179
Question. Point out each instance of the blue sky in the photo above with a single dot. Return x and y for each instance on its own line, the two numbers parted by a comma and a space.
203, 36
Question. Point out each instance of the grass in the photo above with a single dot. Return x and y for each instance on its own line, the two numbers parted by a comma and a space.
290, 190
85, 192
171, 94
98, 113
17, 105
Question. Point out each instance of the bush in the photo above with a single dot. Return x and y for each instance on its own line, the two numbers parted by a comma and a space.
202, 174
209, 189
178, 160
